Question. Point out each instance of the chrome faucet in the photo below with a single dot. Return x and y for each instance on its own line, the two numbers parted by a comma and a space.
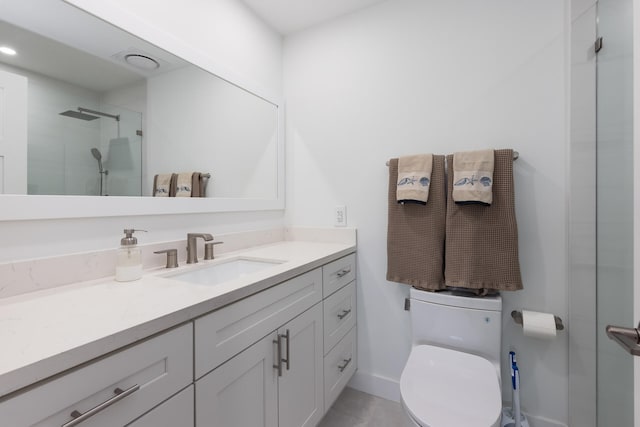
192, 247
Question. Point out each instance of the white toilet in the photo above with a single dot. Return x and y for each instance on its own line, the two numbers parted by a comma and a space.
452, 377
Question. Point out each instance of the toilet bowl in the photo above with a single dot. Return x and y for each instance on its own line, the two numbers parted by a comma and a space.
452, 375
442, 387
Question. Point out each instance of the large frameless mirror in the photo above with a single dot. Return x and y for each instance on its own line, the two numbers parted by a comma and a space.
91, 110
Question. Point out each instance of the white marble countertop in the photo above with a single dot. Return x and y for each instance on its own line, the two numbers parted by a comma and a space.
45, 333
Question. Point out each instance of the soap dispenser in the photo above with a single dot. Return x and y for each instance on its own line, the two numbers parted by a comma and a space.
129, 259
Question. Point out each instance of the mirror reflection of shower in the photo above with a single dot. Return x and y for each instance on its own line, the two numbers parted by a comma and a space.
88, 115
103, 173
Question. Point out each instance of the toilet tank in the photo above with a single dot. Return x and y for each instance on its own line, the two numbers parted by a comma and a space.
465, 323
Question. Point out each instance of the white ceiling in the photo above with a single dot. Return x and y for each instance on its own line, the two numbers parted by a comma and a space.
289, 16
75, 47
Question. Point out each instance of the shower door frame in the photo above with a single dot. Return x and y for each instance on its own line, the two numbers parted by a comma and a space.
636, 198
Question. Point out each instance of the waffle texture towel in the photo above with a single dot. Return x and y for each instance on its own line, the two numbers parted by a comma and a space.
482, 241
415, 233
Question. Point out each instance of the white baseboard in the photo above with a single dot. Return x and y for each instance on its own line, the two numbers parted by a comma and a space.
537, 421
376, 385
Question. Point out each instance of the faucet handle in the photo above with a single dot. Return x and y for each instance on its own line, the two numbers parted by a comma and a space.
172, 257
208, 250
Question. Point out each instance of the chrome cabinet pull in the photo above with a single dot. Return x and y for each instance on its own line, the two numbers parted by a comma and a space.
79, 417
278, 343
628, 338
344, 314
344, 272
346, 363
288, 359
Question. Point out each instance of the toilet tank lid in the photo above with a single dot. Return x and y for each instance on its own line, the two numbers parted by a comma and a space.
491, 303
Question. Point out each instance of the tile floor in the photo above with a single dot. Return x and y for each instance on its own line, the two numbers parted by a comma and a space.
354, 408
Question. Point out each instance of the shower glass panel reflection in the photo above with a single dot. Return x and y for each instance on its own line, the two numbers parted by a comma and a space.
86, 150
615, 389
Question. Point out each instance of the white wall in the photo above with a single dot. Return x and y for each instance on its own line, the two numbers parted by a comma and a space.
409, 76
231, 133
225, 30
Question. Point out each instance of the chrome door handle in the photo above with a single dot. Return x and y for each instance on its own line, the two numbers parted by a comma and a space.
278, 343
344, 272
628, 338
346, 363
344, 314
79, 417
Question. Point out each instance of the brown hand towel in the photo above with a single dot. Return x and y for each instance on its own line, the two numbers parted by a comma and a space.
415, 233
164, 185
482, 241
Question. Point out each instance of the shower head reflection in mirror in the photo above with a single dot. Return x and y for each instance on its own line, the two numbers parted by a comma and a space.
207, 118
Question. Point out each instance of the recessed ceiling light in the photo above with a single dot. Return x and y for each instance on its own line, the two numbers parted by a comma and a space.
7, 50
141, 61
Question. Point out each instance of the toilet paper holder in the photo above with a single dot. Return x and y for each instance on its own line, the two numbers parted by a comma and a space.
517, 317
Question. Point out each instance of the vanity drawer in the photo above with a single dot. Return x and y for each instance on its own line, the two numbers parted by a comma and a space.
339, 315
339, 366
226, 332
177, 411
338, 273
147, 373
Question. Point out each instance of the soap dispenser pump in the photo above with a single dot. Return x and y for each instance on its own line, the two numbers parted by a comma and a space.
129, 259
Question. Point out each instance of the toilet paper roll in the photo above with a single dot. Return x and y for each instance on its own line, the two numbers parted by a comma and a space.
538, 325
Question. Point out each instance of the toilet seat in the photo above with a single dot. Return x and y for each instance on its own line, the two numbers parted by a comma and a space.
441, 388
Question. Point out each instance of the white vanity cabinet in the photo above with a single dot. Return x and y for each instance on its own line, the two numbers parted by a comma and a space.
277, 381
112, 391
255, 367
275, 358
339, 305
254, 388
177, 411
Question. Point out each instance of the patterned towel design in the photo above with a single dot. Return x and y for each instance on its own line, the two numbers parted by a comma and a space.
414, 178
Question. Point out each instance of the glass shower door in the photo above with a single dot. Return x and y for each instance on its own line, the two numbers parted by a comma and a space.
615, 197
122, 143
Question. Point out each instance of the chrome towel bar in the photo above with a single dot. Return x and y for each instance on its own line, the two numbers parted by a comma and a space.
515, 157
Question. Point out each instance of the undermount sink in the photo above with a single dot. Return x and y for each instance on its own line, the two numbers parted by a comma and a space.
224, 271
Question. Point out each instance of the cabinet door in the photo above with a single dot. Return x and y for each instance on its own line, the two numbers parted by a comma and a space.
243, 391
177, 411
300, 388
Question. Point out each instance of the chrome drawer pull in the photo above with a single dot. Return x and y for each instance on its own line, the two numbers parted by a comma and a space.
79, 417
346, 363
344, 272
344, 314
